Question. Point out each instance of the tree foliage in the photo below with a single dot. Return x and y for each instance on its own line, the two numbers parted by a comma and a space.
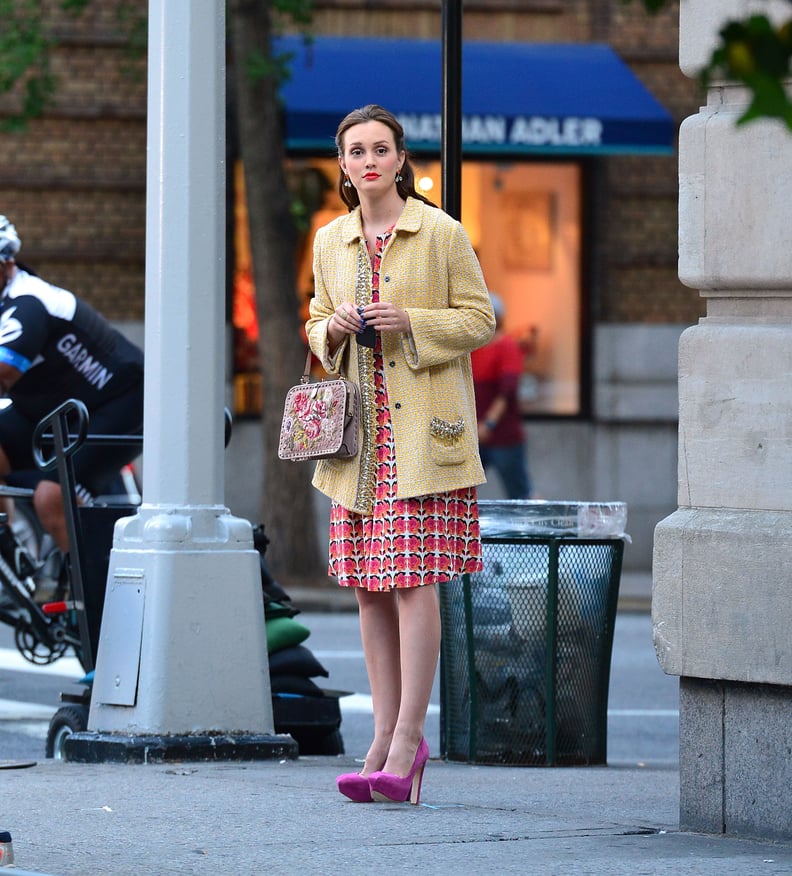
24, 60
757, 53
25, 54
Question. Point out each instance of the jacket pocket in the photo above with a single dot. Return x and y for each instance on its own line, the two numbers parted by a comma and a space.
447, 441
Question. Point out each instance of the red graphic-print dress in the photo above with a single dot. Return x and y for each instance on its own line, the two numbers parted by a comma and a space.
404, 542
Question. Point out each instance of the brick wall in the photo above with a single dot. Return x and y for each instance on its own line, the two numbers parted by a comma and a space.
73, 182
639, 226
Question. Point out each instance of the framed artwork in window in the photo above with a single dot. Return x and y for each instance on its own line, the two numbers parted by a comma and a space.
528, 224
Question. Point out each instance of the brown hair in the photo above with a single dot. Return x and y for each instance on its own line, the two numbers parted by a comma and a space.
375, 113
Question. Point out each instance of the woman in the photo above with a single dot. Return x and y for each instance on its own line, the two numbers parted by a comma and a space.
403, 516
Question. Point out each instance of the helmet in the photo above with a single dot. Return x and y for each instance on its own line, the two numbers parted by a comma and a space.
9, 240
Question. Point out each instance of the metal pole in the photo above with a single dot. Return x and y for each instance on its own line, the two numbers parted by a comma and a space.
185, 255
551, 652
451, 125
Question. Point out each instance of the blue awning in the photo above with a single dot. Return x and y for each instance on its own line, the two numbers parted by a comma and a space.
517, 98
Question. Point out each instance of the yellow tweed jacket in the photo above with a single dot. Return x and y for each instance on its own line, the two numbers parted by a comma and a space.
430, 270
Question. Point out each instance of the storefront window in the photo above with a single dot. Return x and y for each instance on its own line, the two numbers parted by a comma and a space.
244, 317
524, 220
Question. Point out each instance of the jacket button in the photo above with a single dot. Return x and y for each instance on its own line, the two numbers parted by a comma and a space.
397, 406
387, 279
392, 364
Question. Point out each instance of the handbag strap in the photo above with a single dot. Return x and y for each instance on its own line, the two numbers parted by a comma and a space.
306, 375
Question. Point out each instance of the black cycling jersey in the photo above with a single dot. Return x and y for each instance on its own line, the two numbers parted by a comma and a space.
63, 348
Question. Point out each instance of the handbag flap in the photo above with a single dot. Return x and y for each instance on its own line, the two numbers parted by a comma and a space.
314, 417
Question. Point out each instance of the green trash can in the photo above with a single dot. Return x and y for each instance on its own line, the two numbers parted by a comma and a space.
526, 652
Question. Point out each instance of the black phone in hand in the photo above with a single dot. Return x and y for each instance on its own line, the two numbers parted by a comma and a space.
368, 337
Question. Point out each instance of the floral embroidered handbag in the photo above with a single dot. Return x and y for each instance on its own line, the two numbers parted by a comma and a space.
320, 420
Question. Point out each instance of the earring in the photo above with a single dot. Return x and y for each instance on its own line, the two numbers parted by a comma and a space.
399, 177
347, 183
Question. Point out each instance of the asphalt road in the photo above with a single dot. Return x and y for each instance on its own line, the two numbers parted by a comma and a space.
642, 708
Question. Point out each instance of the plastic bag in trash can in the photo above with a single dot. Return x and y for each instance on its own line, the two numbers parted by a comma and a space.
509, 518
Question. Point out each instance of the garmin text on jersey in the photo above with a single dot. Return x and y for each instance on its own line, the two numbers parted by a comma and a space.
83, 363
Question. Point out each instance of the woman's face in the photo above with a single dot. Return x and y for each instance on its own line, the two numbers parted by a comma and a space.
370, 158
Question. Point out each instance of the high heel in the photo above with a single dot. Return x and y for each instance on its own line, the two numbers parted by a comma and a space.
389, 788
355, 786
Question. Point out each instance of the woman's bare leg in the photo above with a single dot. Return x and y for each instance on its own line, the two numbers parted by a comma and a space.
379, 632
419, 634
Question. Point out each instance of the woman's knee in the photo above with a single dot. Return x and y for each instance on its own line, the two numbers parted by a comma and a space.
426, 594
376, 602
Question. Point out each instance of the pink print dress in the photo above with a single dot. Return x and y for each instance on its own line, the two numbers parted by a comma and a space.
403, 542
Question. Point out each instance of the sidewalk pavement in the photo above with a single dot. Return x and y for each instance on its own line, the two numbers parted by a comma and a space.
287, 818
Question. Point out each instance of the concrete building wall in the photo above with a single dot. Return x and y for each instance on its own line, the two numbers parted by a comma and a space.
723, 560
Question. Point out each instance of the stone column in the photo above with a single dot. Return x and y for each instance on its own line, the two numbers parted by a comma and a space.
722, 590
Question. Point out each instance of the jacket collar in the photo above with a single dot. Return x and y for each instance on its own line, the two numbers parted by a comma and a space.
410, 220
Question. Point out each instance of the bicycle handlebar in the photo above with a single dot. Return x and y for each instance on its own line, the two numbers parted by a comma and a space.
58, 422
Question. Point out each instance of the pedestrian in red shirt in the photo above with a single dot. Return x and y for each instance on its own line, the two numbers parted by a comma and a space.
497, 368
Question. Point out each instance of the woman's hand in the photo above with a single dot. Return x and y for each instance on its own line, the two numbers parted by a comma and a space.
345, 321
386, 317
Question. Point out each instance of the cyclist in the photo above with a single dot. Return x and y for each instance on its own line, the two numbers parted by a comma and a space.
54, 347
